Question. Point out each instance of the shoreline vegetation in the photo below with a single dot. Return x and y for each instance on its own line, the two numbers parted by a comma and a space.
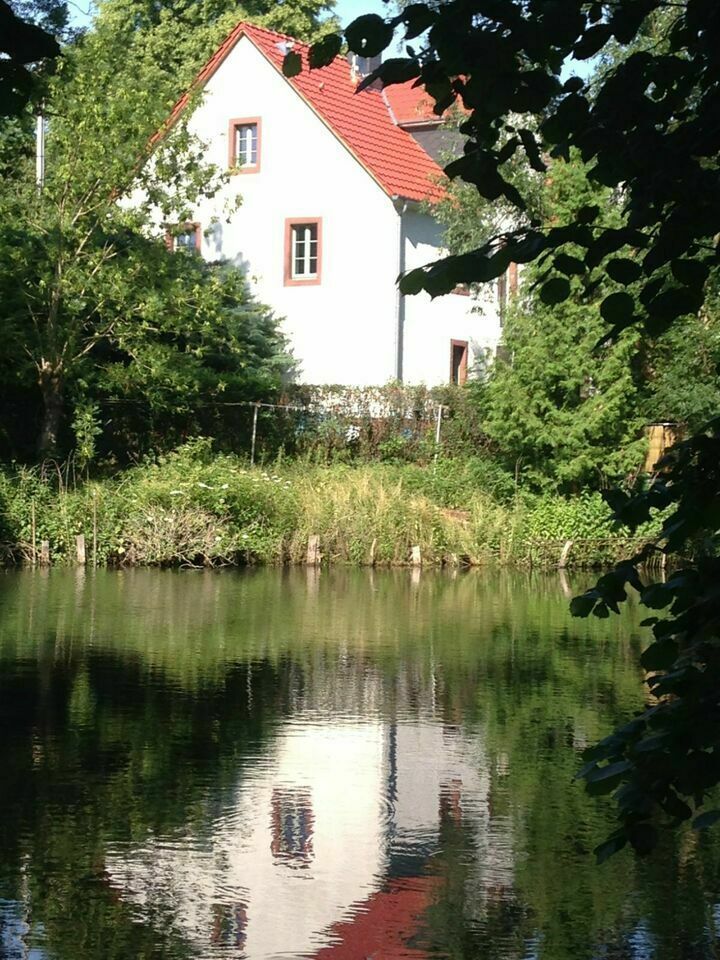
196, 508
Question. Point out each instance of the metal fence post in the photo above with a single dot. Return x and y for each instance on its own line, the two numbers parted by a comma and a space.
438, 424
254, 434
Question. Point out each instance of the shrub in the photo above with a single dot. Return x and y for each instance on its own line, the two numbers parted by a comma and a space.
196, 507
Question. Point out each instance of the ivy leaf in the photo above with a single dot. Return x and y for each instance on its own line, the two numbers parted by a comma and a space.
691, 273
643, 837
292, 64
571, 266
657, 596
617, 309
660, 655
417, 19
532, 150
369, 35
610, 847
394, 70
413, 282
624, 270
555, 291
675, 302
706, 820
582, 606
592, 41
676, 807
322, 53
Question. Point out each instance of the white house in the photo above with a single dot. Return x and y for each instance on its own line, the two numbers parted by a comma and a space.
334, 185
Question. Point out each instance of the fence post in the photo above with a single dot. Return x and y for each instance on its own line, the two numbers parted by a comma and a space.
373, 548
563, 561
94, 527
45, 552
313, 551
80, 548
254, 434
438, 423
416, 557
34, 534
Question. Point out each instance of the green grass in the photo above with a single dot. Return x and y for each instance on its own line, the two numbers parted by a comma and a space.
195, 507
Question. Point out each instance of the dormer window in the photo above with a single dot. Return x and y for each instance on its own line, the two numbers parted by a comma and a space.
244, 145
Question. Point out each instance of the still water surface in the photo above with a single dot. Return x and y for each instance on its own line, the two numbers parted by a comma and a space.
341, 765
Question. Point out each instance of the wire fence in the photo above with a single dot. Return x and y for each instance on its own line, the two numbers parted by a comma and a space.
387, 422
364, 425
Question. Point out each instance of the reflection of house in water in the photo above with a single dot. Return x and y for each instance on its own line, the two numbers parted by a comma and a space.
325, 848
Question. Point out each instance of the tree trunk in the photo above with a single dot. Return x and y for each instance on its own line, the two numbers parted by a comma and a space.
51, 388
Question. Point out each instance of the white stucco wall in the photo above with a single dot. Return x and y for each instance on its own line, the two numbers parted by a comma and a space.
342, 330
431, 325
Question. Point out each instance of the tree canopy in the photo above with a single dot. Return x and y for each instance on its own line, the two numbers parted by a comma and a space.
96, 308
645, 127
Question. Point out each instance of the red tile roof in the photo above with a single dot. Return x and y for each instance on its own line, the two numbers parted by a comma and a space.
361, 121
410, 104
385, 925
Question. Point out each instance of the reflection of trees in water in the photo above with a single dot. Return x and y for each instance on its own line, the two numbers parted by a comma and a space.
141, 761
141, 697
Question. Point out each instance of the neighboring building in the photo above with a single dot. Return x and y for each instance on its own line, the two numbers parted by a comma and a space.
334, 185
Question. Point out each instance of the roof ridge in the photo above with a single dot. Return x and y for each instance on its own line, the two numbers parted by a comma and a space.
362, 122
249, 25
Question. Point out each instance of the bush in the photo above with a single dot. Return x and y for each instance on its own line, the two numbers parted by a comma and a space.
194, 507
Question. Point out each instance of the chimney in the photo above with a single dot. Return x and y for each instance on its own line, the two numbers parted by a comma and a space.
362, 66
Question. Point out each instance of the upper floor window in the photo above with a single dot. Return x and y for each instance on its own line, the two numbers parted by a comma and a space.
303, 251
244, 145
184, 236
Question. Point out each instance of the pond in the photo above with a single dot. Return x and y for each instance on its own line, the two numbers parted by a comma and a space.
348, 765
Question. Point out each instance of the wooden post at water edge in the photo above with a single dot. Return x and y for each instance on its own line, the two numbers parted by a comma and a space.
565, 554
313, 551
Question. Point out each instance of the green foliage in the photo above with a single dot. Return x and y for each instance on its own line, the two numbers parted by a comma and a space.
174, 38
560, 410
86, 429
682, 371
93, 302
564, 406
193, 507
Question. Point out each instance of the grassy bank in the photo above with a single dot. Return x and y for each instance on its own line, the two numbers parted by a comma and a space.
197, 508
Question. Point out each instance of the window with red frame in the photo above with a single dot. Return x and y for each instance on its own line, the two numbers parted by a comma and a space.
458, 361
244, 145
185, 236
303, 251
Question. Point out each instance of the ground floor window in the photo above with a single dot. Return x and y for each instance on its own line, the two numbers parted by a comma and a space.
184, 236
458, 361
